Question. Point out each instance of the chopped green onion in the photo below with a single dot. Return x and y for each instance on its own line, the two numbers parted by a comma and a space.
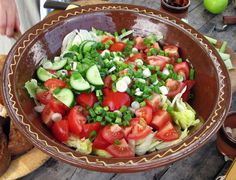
117, 142
106, 108
123, 109
127, 117
118, 120
142, 104
191, 74
98, 93
99, 118
126, 123
56, 91
92, 113
116, 34
107, 118
98, 110
92, 135
113, 77
179, 60
123, 31
158, 68
169, 109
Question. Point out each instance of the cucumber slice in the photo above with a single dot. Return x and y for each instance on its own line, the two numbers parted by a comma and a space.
59, 64
43, 74
88, 46
66, 96
93, 76
78, 83
81, 47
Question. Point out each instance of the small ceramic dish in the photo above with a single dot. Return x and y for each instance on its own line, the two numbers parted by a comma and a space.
212, 89
226, 144
173, 8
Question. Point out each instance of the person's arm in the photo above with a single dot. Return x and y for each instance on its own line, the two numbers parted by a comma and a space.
9, 20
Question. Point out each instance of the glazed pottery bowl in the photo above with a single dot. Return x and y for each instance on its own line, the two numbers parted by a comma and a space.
175, 9
212, 90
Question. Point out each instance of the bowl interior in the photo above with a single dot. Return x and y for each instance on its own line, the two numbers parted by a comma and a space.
47, 44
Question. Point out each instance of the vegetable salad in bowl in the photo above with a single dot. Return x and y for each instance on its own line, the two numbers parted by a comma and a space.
115, 95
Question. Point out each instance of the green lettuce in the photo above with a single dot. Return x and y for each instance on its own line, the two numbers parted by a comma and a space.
84, 146
32, 86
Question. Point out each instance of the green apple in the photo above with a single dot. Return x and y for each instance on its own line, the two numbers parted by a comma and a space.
215, 6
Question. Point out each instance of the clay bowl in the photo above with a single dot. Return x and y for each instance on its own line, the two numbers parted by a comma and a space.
175, 9
212, 90
225, 143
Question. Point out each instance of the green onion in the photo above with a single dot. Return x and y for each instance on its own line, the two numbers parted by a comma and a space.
118, 120
158, 68
113, 77
169, 109
116, 34
191, 74
92, 113
223, 47
123, 31
123, 109
98, 93
99, 118
108, 119
92, 135
98, 110
127, 117
117, 142
142, 104
179, 60
106, 108
126, 123
56, 91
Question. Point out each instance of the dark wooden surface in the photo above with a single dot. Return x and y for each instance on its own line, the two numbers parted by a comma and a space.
205, 164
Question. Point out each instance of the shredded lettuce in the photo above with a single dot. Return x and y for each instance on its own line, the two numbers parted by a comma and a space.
145, 146
84, 146
31, 87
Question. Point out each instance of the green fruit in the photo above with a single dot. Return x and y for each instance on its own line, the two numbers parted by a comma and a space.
215, 6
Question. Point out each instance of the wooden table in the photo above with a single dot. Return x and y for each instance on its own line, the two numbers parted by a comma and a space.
207, 163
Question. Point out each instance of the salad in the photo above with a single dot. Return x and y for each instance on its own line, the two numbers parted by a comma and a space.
115, 95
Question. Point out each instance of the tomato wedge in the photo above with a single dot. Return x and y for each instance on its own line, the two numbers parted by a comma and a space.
174, 86
145, 113
86, 99
137, 56
154, 103
76, 120
88, 128
158, 61
60, 130
167, 133
172, 50
106, 38
139, 132
139, 43
118, 46
160, 118
120, 150
108, 82
115, 100
182, 69
100, 142
46, 115
44, 97
53, 83
112, 132
58, 106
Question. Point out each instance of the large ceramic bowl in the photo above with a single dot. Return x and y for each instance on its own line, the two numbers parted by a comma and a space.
212, 90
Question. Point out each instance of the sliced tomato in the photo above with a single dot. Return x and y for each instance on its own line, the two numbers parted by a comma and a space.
167, 133
137, 56
154, 103
100, 142
46, 115
139, 43
118, 46
76, 120
88, 128
86, 99
172, 50
182, 69
160, 118
115, 100
106, 38
120, 150
54, 83
44, 97
158, 61
112, 132
189, 84
60, 130
145, 113
58, 106
108, 82
174, 86
139, 132
124, 72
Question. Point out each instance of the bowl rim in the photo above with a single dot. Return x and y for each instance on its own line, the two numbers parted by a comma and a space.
230, 138
168, 6
120, 165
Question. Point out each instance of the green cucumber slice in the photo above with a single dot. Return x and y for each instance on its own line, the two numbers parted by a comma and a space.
43, 74
66, 96
93, 76
59, 64
77, 82
81, 47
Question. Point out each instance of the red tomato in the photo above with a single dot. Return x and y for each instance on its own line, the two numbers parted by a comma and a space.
139, 44
183, 69
106, 38
174, 86
172, 51
76, 120
189, 84
167, 133
118, 46
137, 56
108, 82
145, 113
58, 107
54, 83
100, 142
44, 97
52, 71
154, 102
121, 150
160, 118
124, 72
60, 130
112, 133
46, 115
158, 61
86, 99
139, 132
115, 100
88, 128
